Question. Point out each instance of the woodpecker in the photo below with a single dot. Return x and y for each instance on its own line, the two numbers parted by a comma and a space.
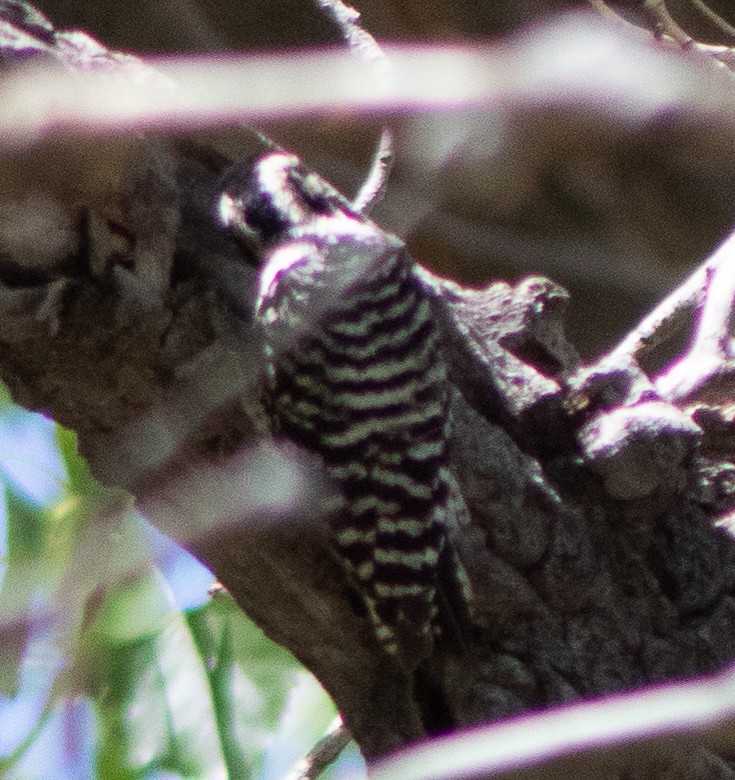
354, 373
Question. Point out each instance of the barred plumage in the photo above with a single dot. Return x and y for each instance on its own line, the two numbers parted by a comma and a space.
354, 373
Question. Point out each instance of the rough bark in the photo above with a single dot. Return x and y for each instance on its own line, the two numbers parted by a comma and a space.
592, 549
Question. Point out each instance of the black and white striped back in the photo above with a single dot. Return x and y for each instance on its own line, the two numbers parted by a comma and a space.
354, 373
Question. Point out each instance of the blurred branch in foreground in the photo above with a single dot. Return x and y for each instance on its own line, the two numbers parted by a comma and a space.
593, 740
596, 67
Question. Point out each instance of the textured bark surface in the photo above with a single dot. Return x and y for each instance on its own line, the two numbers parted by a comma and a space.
593, 556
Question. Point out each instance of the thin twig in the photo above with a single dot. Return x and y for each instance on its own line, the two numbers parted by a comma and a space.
605, 11
666, 27
713, 17
712, 336
361, 43
710, 348
366, 48
712, 288
657, 326
372, 189
665, 24
322, 754
359, 40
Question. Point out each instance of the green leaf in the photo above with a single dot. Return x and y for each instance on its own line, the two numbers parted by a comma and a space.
9, 762
308, 716
149, 686
195, 696
81, 481
42, 581
250, 678
27, 537
5, 400
27, 528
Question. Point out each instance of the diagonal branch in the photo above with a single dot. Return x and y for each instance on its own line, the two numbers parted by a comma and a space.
710, 350
594, 740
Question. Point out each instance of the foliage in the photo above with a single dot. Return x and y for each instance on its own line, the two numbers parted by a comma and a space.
115, 663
